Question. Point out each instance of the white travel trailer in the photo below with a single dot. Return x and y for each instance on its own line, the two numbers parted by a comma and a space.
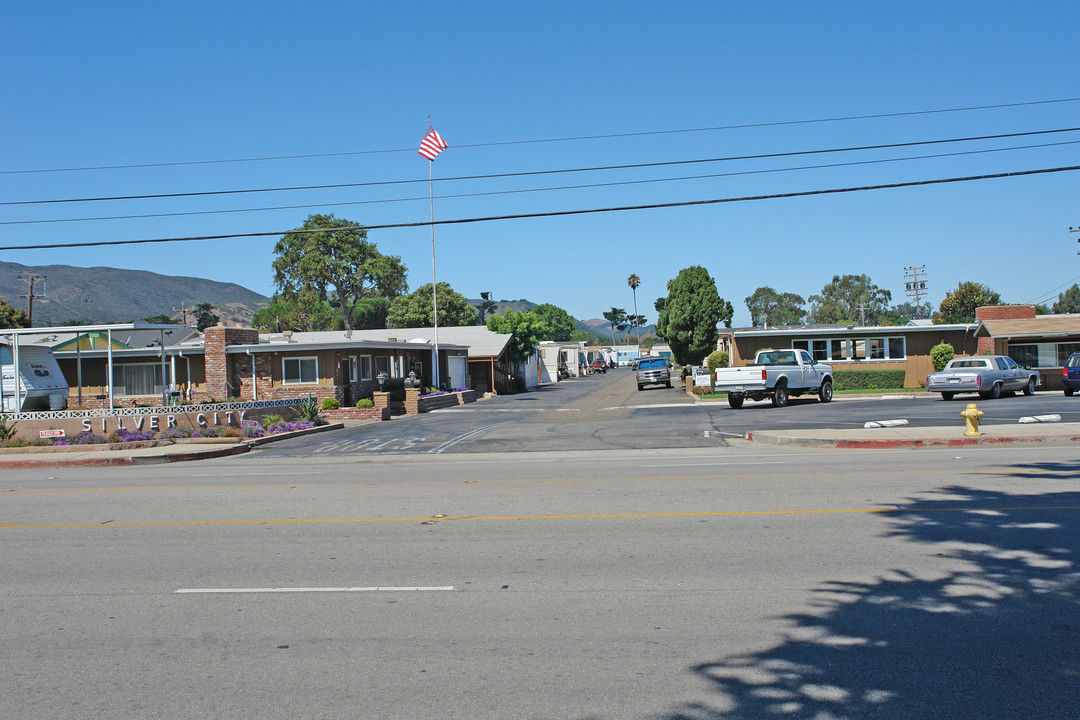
41, 385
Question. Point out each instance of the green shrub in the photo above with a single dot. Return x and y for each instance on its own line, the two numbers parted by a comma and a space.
308, 410
330, 404
717, 359
269, 420
365, 403
868, 379
941, 354
7, 430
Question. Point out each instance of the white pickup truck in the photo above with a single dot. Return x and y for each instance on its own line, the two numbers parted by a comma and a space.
778, 375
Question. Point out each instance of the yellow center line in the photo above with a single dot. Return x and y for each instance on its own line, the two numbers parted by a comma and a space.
594, 516
431, 483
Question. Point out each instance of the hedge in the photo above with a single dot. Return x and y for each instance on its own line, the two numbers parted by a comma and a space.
868, 379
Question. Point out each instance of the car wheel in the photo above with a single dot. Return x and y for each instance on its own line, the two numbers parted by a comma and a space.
1029, 389
640, 388
735, 401
669, 385
947, 395
1069, 392
825, 393
780, 396
995, 391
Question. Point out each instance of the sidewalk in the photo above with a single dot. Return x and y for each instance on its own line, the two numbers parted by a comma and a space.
138, 453
922, 437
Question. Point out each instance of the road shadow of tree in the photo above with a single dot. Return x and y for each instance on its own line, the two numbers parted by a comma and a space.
997, 639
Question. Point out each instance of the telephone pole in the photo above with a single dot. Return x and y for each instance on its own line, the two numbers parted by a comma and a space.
1076, 230
30, 296
184, 310
915, 284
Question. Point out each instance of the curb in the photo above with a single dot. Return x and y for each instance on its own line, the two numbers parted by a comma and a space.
61, 462
907, 443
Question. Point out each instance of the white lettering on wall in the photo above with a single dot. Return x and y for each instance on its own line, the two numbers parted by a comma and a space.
86, 425
170, 421
201, 419
139, 422
153, 423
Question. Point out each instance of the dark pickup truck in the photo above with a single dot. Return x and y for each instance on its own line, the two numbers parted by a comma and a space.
653, 371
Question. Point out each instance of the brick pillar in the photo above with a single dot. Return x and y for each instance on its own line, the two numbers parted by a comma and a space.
381, 400
412, 401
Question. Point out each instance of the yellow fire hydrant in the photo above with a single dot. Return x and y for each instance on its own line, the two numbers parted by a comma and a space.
972, 415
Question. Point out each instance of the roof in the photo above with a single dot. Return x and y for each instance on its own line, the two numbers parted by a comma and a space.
1038, 326
819, 330
480, 341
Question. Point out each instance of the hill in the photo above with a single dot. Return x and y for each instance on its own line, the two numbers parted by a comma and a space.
105, 295
596, 326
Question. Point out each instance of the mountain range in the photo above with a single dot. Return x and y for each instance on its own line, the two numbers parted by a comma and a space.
66, 294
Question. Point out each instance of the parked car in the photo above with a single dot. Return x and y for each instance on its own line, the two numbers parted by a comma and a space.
987, 375
653, 371
599, 366
1070, 374
776, 375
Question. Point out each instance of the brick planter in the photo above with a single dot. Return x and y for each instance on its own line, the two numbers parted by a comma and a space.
372, 413
437, 402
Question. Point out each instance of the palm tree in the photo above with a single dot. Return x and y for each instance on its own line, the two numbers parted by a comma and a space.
633, 281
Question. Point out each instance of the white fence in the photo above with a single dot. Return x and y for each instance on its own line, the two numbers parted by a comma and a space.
152, 410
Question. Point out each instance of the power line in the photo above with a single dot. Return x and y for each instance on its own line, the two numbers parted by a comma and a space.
556, 213
542, 189
665, 163
744, 126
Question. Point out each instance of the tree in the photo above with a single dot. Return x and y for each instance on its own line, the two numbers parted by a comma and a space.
1068, 301
959, 305
340, 259
415, 310
560, 326
690, 315
12, 317
768, 307
161, 319
302, 312
370, 314
486, 307
647, 341
526, 328
205, 316
616, 317
849, 299
635, 322
634, 281
584, 336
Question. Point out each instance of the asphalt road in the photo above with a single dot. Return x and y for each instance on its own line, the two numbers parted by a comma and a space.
727, 582
607, 412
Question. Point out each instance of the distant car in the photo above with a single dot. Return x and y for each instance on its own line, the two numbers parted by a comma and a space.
1070, 374
987, 375
653, 371
599, 366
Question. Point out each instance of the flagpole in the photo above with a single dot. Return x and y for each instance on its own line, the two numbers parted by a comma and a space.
434, 284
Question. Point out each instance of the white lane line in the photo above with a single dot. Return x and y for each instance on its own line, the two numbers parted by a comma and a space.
215, 591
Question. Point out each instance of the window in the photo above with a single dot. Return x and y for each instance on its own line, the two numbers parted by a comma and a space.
365, 367
299, 370
1065, 350
382, 365
858, 349
896, 348
805, 356
137, 379
838, 349
877, 348
1002, 365
354, 370
821, 350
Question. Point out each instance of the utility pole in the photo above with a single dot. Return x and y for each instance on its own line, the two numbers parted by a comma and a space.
1076, 230
30, 280
184, 310
915, 284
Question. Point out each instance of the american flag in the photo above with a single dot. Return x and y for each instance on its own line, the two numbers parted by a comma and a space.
433, 144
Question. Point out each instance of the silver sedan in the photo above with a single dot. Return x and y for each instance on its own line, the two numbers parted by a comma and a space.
988, 375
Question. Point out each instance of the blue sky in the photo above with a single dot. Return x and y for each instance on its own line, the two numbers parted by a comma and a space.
88, 85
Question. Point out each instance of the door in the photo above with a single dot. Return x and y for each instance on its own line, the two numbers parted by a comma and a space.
458, 366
